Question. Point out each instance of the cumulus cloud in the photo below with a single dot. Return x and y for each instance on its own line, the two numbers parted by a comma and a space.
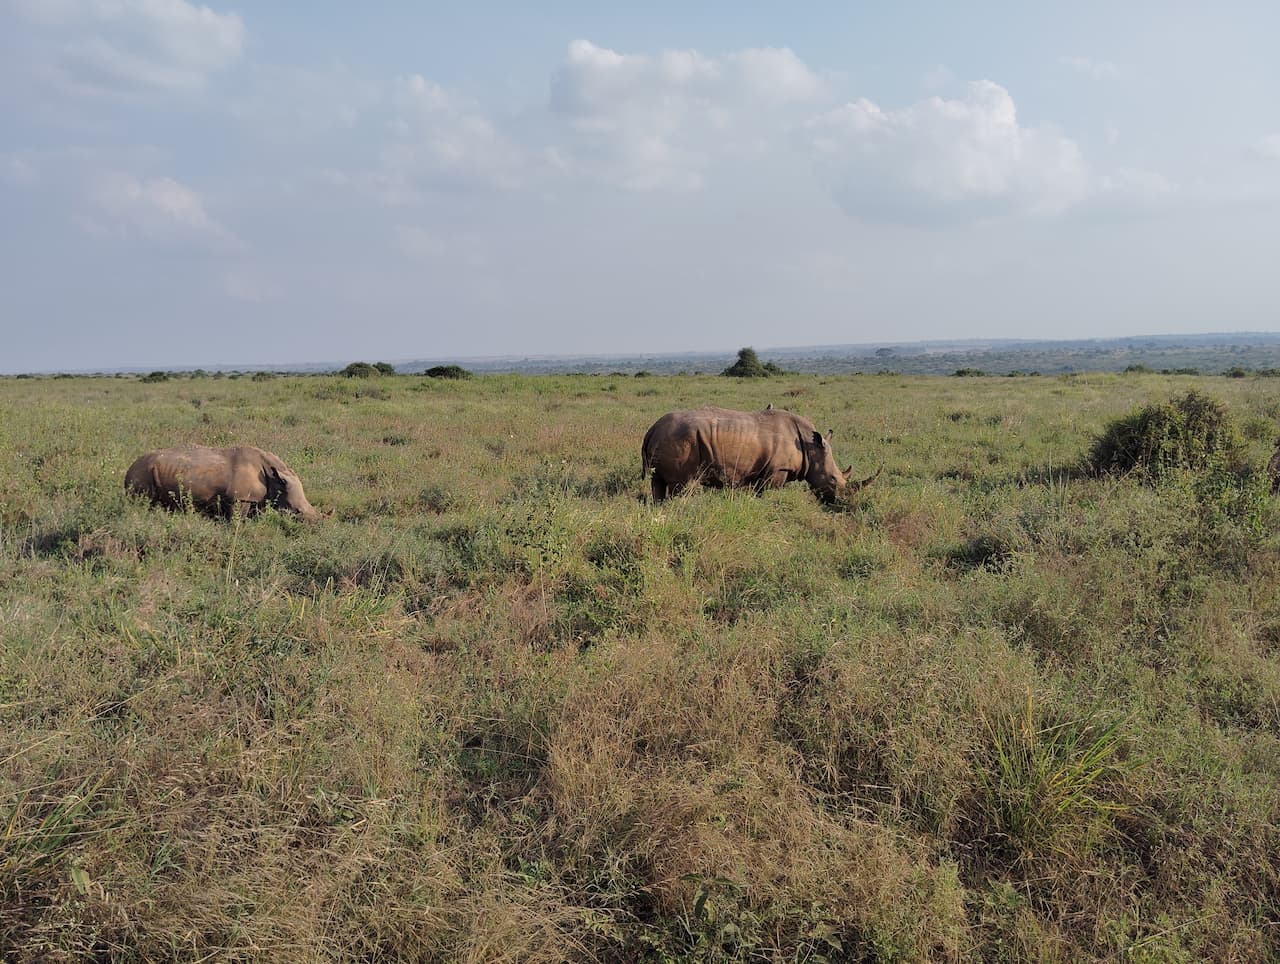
654, 122
946, 159
121, 46
1097, 69
157, 209
439, 140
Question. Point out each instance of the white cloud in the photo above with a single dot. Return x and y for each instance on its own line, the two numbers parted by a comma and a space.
158, 209
772, 74
1097, 69
441, 141
946, 159
114, 46
655, 123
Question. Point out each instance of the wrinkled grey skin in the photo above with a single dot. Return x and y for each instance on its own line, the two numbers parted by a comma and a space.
720, 448
220, 482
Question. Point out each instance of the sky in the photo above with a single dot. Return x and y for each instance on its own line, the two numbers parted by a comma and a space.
284, 182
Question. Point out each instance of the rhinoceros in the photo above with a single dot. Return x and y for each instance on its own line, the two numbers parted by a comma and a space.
1273, 469
242, 479
720, 447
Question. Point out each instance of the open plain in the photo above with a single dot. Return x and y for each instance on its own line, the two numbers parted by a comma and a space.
498, 706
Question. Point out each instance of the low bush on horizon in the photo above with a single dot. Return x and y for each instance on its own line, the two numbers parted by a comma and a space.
366, 370
498, 706
448, 371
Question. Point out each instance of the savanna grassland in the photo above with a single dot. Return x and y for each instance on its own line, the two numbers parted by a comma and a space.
498, 707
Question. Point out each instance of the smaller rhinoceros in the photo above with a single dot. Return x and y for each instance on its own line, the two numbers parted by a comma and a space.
720, 447
242, 479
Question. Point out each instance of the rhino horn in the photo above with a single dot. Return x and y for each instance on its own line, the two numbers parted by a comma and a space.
857, 486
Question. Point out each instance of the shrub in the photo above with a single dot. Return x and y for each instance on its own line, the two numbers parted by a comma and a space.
359, 370
155, 377
749, 365
968, 373
448, 371
384, 368
1137, 370
1191, 432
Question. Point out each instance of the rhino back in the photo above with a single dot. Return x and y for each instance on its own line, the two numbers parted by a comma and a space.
207, 476
739, 447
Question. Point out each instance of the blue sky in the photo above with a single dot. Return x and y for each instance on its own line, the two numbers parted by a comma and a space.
186, 185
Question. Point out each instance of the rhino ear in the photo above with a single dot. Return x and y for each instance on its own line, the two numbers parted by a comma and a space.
830, 432
818, 440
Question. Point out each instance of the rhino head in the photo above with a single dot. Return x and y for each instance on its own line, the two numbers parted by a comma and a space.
824, 475
284, 491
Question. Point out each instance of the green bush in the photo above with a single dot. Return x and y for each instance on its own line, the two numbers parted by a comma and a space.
155, 377
359, 370
749, 365
447, 371
1189, 433
384, 368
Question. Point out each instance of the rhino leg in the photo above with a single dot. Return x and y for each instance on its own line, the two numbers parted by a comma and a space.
658, 486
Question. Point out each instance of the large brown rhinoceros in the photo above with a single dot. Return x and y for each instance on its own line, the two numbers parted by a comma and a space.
242, 479
720, 447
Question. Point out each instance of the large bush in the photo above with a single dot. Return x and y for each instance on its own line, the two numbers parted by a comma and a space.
749, 365
1189, 433
447, 371
359, 370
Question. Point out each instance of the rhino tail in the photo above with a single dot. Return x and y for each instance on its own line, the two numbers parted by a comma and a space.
645, 464
859, 486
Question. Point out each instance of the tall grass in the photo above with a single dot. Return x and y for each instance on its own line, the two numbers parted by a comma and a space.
498, 706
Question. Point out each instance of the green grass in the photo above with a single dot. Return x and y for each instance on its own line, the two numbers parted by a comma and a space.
497, 706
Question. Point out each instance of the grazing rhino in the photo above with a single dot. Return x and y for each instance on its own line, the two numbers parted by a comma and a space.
720, 447
1273, 469
242, 479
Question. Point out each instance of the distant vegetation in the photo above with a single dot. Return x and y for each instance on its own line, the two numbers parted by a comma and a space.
748, 365
448, 371
366, 370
